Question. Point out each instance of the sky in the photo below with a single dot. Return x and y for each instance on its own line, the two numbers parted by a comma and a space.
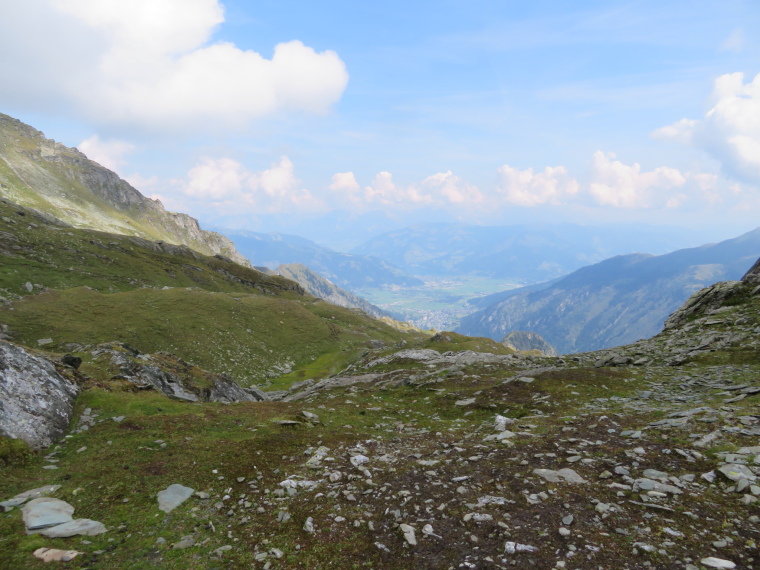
339, 119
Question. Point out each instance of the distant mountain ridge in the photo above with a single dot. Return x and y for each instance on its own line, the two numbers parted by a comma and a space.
59, 181
617, 301
528, 253
347, 271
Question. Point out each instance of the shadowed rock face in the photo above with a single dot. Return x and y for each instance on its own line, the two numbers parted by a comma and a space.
36, 403
753, 275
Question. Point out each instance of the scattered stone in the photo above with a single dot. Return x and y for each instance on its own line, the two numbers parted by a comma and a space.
173, 496
713, 562
565, 475
465, 402
512, 547
56, 555
408, 532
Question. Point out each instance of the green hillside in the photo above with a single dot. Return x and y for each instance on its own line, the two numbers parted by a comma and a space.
89, 287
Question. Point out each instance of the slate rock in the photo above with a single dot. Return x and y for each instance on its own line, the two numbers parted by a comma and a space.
565, 475
45, 512
84, 527
736, 471
173, 496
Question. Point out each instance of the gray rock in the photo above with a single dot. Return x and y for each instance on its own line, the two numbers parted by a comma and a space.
309, 416
85, 527
408, 532
36, 403
712, 562
565, 475
173, 496
736, 471
45, 512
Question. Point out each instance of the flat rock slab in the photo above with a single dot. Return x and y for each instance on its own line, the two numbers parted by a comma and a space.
46, 512
173, 496
55, 555
736, 471
565, 475
84, 527
21, 498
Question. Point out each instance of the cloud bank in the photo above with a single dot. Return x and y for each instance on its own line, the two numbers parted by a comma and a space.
729, 130
152, 65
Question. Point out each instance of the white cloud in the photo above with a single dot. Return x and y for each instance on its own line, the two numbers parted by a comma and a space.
344, 181
228, 186
149, 64
447, 188
730, 129
527, 188
109, 154
216, 179
613, 183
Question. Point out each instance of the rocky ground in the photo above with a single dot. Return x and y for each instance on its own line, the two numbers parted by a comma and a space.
646, 456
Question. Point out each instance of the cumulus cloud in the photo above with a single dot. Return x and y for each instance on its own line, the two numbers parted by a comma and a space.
447, 188
110, 154
151, 64
730, 129
344, 181
626, 186
553, 186
229, 187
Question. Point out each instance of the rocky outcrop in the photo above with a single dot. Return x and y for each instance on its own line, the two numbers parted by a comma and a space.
525, 340
701, 302
36, 403
171, 376
316, 285
753, 275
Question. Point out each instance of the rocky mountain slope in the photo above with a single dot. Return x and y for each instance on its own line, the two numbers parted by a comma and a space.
316, 285
525, 253
345, 270
641, 457
39, 173
617, 301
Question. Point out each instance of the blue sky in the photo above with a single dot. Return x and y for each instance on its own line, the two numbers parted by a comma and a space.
281, 115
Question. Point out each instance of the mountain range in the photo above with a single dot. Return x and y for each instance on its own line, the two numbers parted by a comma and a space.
522, 253
616, 301
348, 271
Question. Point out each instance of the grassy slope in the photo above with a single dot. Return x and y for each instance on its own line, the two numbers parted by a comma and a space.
221, 316
220, 449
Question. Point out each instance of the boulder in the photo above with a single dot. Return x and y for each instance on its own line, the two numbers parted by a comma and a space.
36, 403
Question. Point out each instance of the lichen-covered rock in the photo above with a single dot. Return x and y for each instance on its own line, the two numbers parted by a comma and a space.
36, 403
